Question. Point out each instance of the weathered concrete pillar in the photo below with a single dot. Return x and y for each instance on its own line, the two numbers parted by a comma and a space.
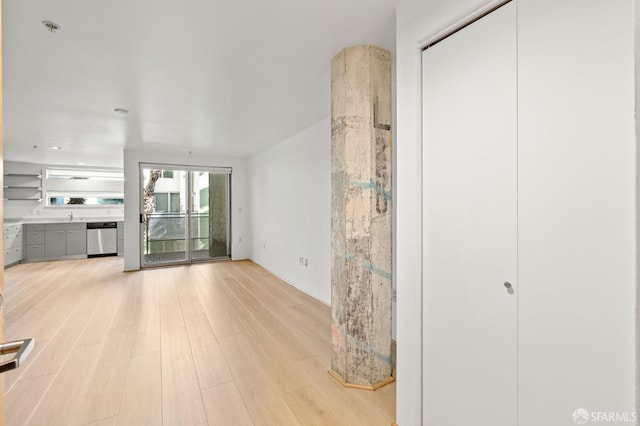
361, 217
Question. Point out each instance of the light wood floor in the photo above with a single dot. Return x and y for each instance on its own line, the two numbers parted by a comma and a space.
220, 344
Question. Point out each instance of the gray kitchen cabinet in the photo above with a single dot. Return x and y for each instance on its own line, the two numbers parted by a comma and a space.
65, 239
34, 239
34, 233
34, 251
77, 242
55, 243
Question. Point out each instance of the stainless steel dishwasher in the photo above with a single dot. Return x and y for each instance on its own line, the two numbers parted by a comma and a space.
102, 239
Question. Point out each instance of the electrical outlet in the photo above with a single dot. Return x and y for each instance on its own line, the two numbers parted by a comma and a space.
306, 262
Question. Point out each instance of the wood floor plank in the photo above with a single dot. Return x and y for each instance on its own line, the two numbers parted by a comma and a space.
225, 406
220, 306
103, 396
266, 405
311, 408
57, 349
98, 328
181, 397
111, 421
142, 396
210, 364
147, 336
242, 361
186, 278
105, 388
28, 390
59, 403
170, 309
271, 358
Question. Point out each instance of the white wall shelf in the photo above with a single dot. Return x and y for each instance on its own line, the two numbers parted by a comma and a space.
23, 187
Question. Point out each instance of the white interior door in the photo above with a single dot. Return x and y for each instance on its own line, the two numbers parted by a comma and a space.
577, 209
470, 225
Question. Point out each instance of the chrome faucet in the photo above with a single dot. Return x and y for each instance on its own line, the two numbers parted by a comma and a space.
70, 216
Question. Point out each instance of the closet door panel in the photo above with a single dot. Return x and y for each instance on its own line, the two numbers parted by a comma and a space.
470, 175
577, 162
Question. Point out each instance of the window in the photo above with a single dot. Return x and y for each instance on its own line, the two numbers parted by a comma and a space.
167, 202
204, 198
167, 174
95, 200
83, 187
85, 174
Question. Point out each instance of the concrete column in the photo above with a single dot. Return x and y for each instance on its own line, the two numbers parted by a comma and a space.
361, 217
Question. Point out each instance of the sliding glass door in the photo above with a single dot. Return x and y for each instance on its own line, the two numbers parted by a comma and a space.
184, 214
209, 215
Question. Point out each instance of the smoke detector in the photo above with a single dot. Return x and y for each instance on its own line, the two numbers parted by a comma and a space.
52, 27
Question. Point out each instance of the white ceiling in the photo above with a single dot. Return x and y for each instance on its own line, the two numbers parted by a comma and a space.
226, 77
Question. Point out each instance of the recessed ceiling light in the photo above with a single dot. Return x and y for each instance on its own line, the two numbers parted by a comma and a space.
52, 27
121, 110
55, 148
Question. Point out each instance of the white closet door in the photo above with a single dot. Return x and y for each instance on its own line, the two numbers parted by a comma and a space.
470, 225
577, 210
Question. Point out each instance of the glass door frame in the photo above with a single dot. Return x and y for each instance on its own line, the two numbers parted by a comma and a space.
189, 170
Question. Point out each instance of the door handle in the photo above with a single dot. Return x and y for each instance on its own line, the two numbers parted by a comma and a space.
509, 287
21, 349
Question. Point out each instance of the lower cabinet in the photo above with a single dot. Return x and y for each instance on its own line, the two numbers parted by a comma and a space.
77, 241
34, 251
55, 240
34, 240
55, 243
12, 244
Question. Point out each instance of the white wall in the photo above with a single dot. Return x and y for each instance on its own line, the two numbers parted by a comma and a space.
290, 187
240, 210
290, 195
34, 210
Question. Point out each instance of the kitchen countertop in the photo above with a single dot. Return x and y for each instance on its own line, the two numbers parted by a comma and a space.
46, 220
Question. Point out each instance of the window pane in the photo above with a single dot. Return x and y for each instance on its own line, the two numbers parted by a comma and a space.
204, 199
85, 201
175, 202
162, 203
